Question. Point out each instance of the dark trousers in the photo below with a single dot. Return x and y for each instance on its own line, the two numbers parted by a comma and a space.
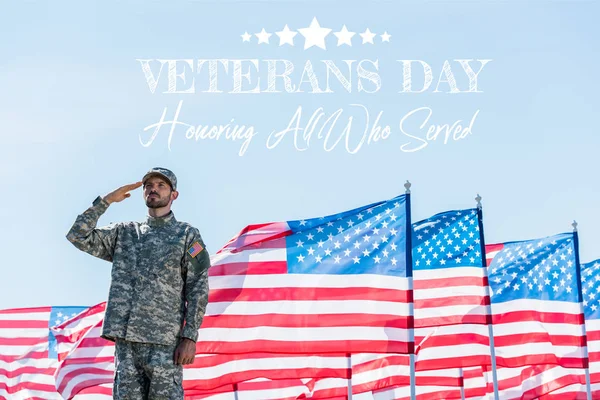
145, 371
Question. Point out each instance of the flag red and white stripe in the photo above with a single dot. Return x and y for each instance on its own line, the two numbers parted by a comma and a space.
387, 376
536, 381
26, 371
452, 346
256, 389
593, 341
474, 383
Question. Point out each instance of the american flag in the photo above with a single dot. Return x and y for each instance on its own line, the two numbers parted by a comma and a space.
470, 386
88, 366
256, 389
28, 357
450, 291
536, 310
538, 381
324, 285
552, 382
590, 290
387, 376
535, 381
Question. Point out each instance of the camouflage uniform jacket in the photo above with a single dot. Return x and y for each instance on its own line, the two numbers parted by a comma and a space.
158, 266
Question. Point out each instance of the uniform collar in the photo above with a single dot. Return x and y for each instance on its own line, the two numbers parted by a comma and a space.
161, 221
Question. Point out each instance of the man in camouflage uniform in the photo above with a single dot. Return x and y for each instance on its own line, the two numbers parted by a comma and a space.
158, 292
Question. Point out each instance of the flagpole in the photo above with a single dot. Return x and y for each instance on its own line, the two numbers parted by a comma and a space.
235, 391
489, 305
409, 274
349, 357
588, 385
462, 384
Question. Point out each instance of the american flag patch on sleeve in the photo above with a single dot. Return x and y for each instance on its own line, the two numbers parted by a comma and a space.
195, 249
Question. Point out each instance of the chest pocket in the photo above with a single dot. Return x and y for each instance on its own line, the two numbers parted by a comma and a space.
164, 253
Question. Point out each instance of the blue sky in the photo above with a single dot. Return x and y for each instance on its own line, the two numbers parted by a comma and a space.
74, 102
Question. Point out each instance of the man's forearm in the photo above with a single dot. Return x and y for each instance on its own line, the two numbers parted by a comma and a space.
84, 235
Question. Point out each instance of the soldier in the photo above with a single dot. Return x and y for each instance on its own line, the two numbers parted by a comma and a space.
158, 292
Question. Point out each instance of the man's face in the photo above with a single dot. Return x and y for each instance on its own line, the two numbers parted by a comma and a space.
157, 192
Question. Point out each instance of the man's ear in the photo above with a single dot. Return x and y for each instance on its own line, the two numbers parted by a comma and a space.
174, 194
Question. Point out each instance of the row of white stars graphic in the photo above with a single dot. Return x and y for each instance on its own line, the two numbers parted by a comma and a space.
543, 278
315, 35
347, 237
337, 244
356, 259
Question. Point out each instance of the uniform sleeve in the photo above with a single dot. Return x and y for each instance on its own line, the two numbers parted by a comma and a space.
197, 263
99, 242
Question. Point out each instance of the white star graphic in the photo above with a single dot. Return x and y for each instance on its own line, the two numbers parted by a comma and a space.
286, 36
263, 36
246, 37
344, 37
385, 37
314, 35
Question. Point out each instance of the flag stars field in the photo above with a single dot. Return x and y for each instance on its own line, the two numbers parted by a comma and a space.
458, 238
367, 239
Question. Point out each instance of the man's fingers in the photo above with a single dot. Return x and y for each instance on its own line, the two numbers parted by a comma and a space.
132, 186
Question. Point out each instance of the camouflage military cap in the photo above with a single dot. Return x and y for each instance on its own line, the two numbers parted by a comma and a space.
163, 173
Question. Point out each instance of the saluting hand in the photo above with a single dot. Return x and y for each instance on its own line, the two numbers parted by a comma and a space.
121, 193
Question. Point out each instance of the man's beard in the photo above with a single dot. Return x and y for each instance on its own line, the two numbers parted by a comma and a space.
156, 202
